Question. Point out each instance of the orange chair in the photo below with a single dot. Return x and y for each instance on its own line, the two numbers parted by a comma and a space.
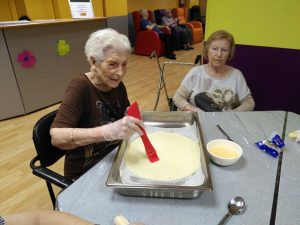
196, 26
146, 41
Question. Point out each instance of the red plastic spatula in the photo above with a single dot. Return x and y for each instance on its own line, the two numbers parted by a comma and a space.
134, 111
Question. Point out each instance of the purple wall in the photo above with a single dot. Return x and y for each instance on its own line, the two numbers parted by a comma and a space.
272, 74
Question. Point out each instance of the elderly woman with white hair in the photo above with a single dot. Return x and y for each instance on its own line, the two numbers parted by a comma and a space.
90, 121
146, 24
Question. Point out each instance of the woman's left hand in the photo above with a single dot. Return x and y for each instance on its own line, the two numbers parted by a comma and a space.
191, 108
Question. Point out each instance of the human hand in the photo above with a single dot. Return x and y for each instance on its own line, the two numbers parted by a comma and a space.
122, 128
195, 109
121, 220
168, 28
191, 108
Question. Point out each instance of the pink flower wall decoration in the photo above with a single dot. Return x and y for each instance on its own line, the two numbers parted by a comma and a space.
26, 58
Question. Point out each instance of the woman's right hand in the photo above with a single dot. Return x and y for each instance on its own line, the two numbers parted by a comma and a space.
121, 220
191, 108
122, 128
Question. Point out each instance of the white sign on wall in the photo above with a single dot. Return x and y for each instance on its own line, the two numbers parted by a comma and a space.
81, 8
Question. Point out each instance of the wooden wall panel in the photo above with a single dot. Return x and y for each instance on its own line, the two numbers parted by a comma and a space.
38, 10
134, 5
8, 10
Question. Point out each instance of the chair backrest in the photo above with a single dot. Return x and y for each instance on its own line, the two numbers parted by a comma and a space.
195, 13
47, 153
181, 14
159, 13
136, 21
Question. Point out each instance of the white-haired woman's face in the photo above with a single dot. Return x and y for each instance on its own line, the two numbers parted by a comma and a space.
218, 52
168, 13
112, 69
144, 14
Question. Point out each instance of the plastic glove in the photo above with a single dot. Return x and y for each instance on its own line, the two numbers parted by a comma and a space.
295, 134
122, 128
121, 220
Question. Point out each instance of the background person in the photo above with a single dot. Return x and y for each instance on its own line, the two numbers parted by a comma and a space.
42, 217
185, 34
215, 86
167, 39
90, 121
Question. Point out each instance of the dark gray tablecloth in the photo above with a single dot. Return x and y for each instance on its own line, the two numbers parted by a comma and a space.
288, 206
253, 178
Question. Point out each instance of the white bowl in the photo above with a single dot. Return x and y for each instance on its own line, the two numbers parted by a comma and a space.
224, 152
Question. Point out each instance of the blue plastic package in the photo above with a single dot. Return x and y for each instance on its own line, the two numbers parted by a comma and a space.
268, 148
276, 140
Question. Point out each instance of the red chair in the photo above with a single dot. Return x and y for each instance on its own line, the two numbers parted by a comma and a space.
196, 26
146, 41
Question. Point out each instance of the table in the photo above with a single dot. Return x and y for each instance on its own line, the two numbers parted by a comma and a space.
289, 189
253, 178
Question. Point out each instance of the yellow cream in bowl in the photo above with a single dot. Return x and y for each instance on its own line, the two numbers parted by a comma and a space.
224, 152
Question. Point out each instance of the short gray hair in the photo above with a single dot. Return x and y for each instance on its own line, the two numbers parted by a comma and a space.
103, 40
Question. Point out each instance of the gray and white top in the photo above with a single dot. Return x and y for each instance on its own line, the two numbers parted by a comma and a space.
2, 221
215, 94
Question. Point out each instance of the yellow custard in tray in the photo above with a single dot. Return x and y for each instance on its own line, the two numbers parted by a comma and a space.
224, 152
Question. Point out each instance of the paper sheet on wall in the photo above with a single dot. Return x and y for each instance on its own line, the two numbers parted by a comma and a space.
81, 8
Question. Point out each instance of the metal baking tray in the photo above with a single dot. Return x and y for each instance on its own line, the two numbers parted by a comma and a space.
177, 119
